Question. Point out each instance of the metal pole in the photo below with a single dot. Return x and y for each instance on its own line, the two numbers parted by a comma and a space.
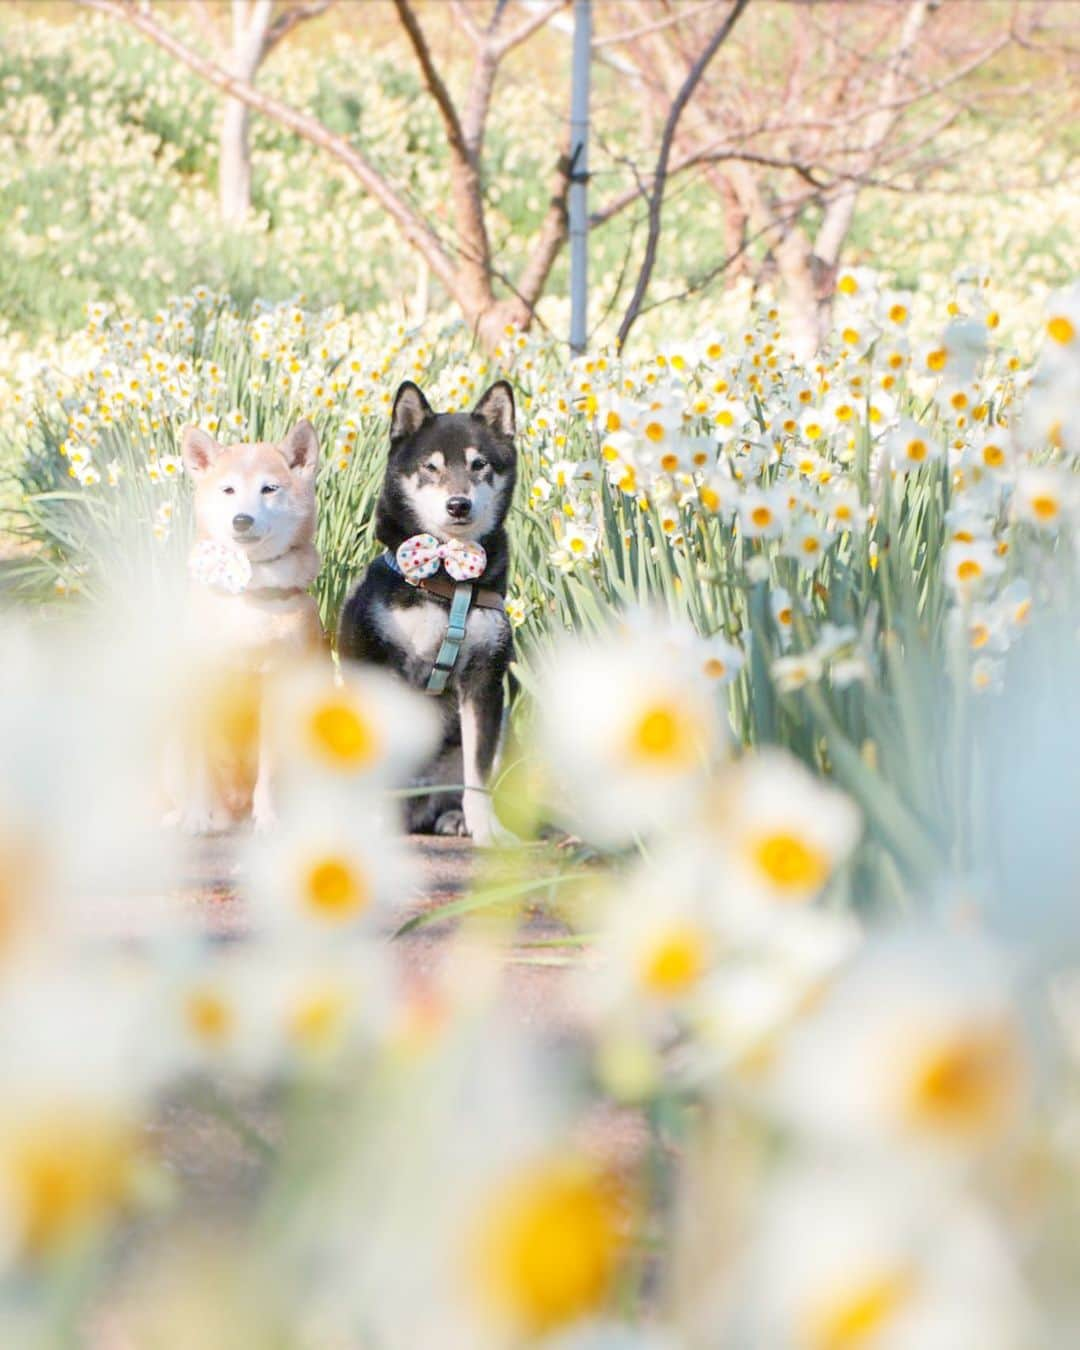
579, 160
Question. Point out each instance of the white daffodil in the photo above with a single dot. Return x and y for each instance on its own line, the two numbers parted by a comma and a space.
329, 871
970, 566
918, 1047
843, 1258
783, 832
365, 727
763, 513
910, 446
629, 730
1045, 497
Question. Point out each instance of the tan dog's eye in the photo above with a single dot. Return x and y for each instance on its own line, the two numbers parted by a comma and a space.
228, 491
267, 488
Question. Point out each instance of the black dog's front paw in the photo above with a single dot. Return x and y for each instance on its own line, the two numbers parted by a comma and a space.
452, 822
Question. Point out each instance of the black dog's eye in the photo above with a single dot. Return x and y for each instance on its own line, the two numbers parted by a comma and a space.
267, 488
478, 464
228, 491
432, 467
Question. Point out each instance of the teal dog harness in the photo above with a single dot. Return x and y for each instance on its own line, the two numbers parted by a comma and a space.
448, 653
450, 648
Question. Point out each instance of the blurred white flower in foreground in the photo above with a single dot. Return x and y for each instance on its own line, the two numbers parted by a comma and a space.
364, 728
845, 1259
629, 729
916, 1048
327, 871
72, 1089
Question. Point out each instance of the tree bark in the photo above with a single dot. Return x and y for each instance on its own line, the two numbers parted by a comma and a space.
250, 30
234, 163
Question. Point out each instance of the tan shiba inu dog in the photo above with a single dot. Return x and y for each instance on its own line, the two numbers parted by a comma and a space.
253, 560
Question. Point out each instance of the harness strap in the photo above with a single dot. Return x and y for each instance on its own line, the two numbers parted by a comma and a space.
455, 636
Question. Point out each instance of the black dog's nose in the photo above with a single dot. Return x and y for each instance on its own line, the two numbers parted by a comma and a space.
459, 508
242, 523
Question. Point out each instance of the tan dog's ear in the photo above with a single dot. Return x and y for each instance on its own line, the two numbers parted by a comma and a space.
301, 449
199, 450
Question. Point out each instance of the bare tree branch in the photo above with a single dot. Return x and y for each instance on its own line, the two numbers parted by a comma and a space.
681, 15
433, 80
412, 226
531, 25
284, 24
657, 195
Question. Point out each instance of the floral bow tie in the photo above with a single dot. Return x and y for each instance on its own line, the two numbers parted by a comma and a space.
421, 556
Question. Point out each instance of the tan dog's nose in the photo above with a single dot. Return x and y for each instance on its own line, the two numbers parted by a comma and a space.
241, 523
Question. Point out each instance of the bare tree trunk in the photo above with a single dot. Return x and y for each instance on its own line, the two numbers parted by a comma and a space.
422, 293
234, 163
795, 263
250, 29
833, 231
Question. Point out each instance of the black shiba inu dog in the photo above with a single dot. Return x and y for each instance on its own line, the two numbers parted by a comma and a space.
449, 481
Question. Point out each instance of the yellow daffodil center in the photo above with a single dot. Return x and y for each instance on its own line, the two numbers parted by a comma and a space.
968, 570
341, 736
715, 669
546, 1253
898, 313
66, 1175
916, 450
663, 736
654, 431
614, 421
964, 1083
317, 1019
209, 1016
854, 1319
710, 499
789, 863
1044, 507
334, 889
675, 961
993, 456
761, 516
847, 285
1061, 329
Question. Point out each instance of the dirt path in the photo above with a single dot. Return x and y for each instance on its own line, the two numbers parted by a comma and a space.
537, 993
215, 1170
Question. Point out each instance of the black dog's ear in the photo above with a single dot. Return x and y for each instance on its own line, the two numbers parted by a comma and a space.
411, 411
496, 408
